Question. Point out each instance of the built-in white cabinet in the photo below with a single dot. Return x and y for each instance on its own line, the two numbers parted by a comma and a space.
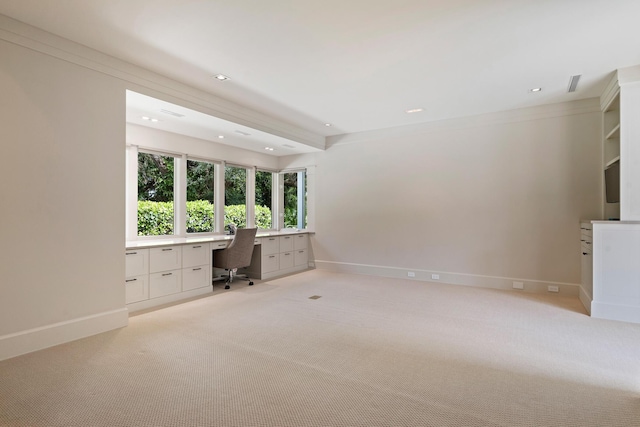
616, 270
167, 273
196, 259
136, 281
279, 255
586, 266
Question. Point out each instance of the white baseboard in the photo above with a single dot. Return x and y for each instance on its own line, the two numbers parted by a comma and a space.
585, 299
23, 342
167, 299
623, 313
473, 280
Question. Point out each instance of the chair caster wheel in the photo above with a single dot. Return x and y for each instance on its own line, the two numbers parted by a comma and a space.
227, 287
250, 283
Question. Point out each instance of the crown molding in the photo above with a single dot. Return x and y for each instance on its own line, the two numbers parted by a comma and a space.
148, 82
583, 106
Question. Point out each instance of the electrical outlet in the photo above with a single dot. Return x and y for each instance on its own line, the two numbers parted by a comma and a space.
552, 289
435, 276
411, 274
518, 285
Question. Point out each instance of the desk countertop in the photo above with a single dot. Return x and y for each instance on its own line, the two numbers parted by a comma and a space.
155, 243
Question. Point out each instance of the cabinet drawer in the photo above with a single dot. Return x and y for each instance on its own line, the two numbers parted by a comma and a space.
286, 260
270, 263
165, 259
195, 277
165, 283
301, 257
219, 245
270, 245
286, 243
136, 262
300, 241
195, 255
586, 229
136, 289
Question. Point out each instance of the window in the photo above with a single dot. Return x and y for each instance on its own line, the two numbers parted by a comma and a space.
200, 197
295, 199
235, 196
264, 199
155, 194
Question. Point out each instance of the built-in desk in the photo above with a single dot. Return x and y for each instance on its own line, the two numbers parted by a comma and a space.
160, 271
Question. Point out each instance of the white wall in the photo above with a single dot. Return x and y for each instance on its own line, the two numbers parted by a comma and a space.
62, 186
499, 195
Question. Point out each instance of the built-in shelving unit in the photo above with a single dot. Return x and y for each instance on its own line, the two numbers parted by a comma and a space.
611, 141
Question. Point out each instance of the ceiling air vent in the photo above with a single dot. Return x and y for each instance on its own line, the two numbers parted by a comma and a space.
573, 83
171, 113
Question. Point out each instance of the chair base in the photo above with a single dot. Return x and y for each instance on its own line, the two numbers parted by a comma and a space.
228, 279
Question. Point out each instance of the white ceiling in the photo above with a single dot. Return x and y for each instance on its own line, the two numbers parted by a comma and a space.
359, 64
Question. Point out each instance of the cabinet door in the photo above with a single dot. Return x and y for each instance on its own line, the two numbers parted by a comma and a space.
166, 283
301, 257
286, 260
136, 289
195, 254
195, 277
587, 273
136, 262
286, 243
165, 259
300, 241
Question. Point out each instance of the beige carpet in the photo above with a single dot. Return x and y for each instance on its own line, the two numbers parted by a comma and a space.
369, 352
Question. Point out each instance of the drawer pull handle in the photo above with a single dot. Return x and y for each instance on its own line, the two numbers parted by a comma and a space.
167, 274
196, 247
169, 249
196, 269
130, 280
131, 253
272, 238
300, 252
287, 254
222, 245
287, 237
588, 243
272, 256
585, 253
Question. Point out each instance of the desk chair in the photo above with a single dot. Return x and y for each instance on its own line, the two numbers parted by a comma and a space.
236, 255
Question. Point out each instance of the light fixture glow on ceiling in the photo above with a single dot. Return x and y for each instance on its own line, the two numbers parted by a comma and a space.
413, 110
328, 125
220, 136
268, 148
221, 77
535, 89
145, 118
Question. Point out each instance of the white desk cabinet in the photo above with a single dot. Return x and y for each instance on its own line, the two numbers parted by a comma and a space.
165, 259
195, 266
136, 281
279, 255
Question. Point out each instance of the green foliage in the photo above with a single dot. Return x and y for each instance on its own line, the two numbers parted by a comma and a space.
155, 177
200, 216
156, 218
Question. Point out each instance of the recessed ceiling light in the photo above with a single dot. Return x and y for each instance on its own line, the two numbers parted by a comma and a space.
145, 118
221, 136
536, 89
328, 125
413, 110
268, 148
243, 133
221, 77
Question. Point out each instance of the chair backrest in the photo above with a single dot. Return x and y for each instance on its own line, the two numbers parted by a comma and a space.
239, 252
